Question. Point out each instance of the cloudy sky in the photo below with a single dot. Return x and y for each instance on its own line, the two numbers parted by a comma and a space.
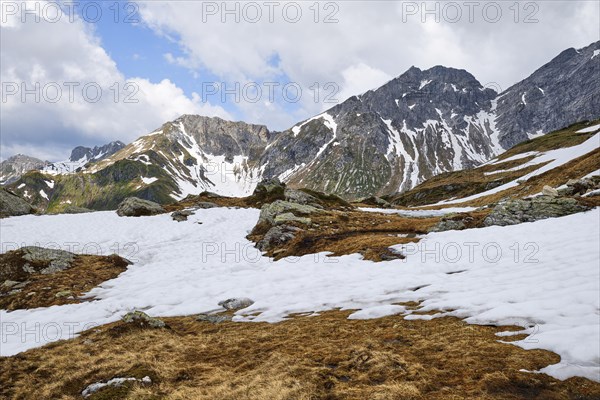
89, 72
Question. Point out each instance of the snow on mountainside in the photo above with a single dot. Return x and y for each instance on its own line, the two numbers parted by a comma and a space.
386, 141
80, 156
12, 168
390, 139
200, 154
523, 171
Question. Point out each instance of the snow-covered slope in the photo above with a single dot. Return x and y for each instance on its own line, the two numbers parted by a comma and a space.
523, 171
80, 156
532, 275
200, 154
382, 142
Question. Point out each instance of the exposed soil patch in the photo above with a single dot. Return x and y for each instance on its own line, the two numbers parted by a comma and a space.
322, 357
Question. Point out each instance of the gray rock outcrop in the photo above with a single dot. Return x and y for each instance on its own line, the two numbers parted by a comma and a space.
12, 205
514, 212
135, 207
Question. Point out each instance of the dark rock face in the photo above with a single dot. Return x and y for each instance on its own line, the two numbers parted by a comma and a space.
388, 140
12, 168
134, 207
220, 137
514, 212
417, 125
97, 152
13, 205
564, 91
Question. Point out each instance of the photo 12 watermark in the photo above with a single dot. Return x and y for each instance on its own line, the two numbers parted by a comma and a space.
470, 11
224, 12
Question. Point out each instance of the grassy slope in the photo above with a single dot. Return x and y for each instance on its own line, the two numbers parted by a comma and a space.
102, 190
465, 183
318, 357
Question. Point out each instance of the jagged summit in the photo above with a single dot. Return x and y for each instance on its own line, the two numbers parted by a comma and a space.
384, 141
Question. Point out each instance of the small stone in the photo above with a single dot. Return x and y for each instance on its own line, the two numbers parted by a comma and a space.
549, 191
21, 285
182, 215
236, 303
142, 319
63, 293
9, 284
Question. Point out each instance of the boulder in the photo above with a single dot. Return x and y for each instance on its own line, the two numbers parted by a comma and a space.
235, 304
135, 207
46, 261
448, 225
181, 215
269, 190
12, 205
286, 218
581, 186
276, 236
549, 191
300, 197
143, 320
517, 211
269, 211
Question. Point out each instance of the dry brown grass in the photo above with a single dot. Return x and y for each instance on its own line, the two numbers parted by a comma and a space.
323, 357
347, 232
473, 181
86, 273
460, 184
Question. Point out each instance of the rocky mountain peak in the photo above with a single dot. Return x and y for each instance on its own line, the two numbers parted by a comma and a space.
563, 91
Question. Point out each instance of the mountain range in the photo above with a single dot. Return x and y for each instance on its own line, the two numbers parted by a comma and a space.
12, 168
382, 142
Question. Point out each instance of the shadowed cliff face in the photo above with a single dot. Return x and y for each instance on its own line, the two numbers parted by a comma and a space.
562, 92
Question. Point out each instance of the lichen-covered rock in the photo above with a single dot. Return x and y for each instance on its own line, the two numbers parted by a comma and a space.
549, 191
517, 211
276, 236
268, 191
269, 211
135, 207
12, 205
287, 218
181, 215
143, 320
236, 303
46, 261
448, 225
300, 197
